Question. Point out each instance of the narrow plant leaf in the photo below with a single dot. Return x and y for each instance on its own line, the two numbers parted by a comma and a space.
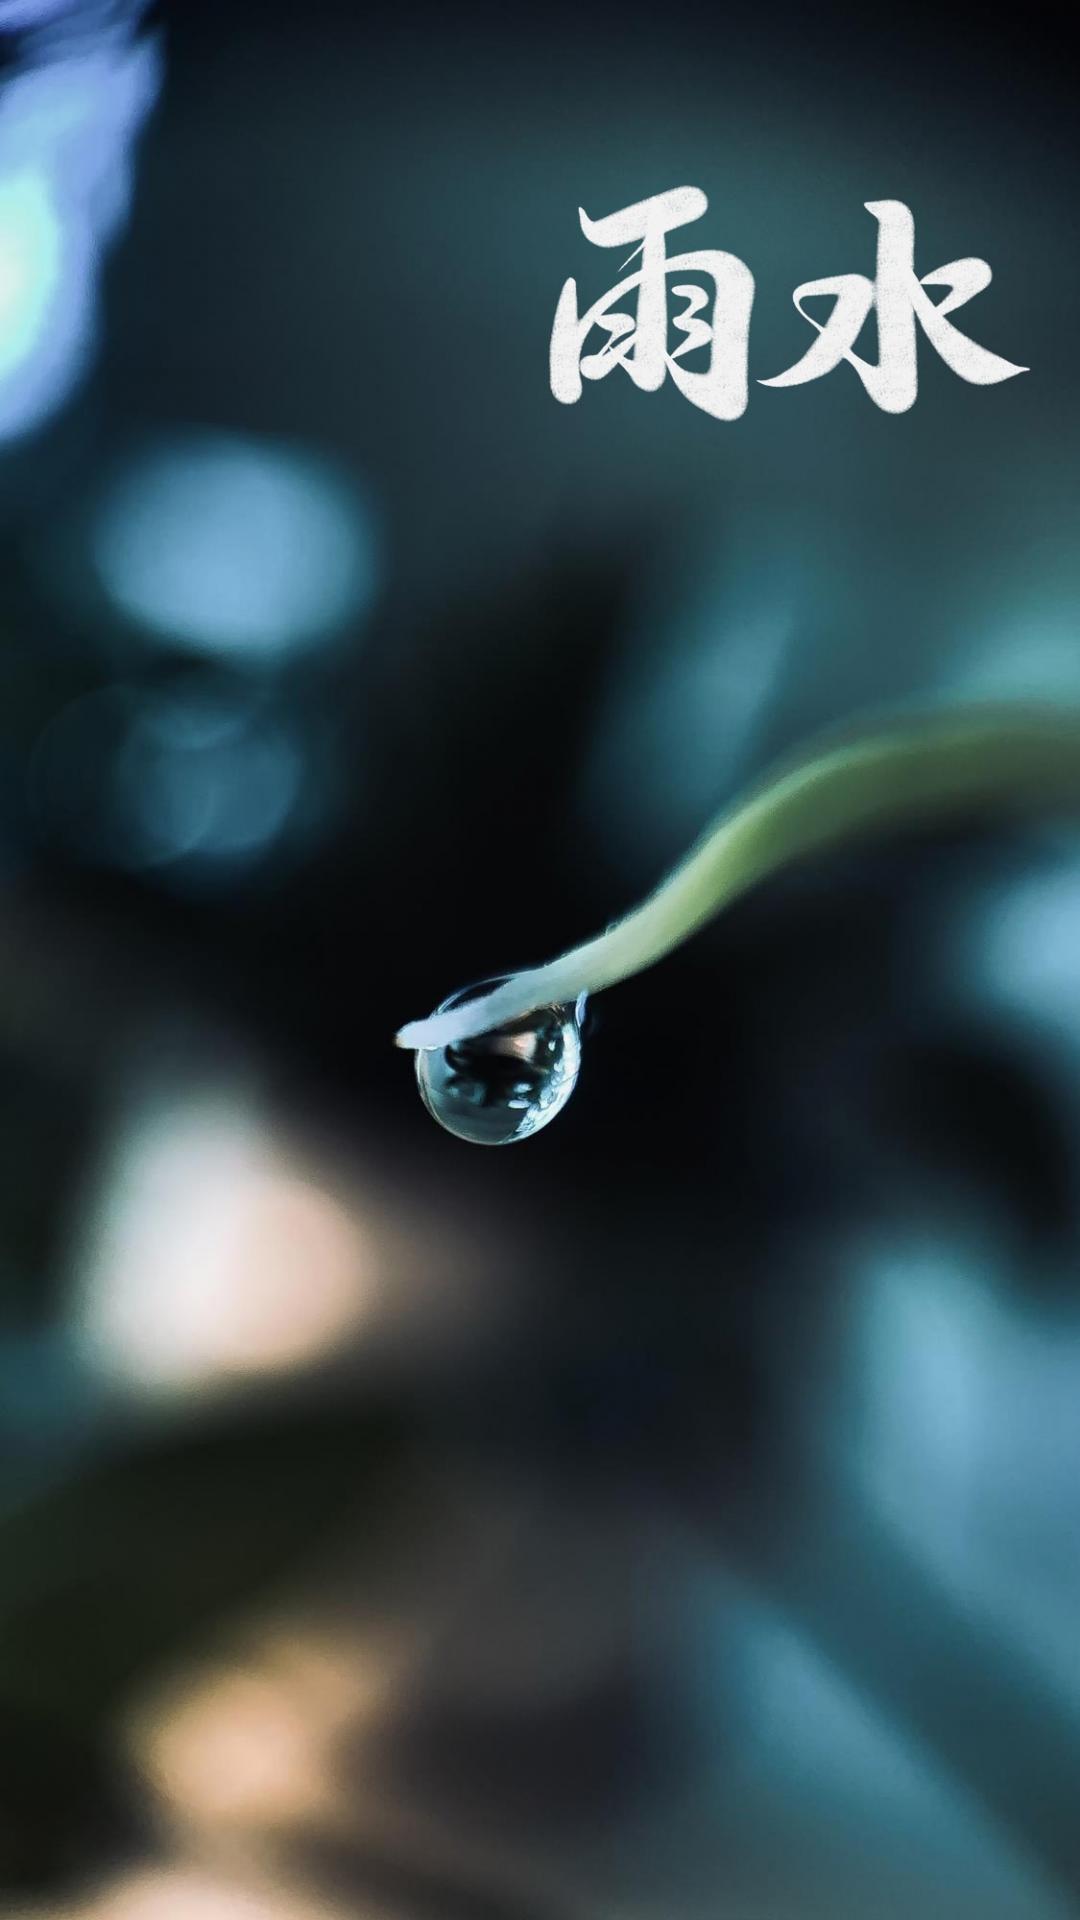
986, 760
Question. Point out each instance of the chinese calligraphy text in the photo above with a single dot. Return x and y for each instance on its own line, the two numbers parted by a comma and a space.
717, 320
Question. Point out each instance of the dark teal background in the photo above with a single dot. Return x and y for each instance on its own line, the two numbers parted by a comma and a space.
801, 1697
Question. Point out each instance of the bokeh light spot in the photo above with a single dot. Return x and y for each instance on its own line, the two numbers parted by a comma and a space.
234, 547
201, 778
68, 123
216, 1259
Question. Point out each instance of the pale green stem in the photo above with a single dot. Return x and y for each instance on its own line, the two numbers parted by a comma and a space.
911, 771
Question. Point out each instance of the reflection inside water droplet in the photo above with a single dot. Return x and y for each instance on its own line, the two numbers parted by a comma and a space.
504, 1085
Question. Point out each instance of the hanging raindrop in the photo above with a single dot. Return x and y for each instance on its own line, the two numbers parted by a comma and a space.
505, 1085
508, 1064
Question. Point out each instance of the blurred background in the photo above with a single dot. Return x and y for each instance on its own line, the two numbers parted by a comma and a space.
676, 1518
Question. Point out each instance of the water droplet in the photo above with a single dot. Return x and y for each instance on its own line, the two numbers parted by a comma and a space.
504, 1085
